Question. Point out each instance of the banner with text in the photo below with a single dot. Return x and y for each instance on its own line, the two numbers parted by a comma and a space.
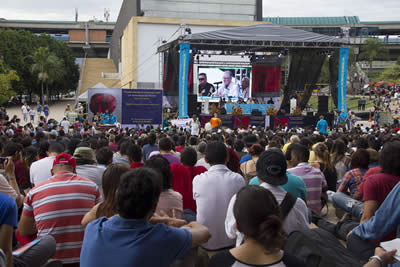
141, 106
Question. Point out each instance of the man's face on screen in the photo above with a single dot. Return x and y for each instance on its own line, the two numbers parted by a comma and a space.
227, 79
202, 79
245, 83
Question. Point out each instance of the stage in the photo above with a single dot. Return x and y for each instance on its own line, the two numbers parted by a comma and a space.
271, 122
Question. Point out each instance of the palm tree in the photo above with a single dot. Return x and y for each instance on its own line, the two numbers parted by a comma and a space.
48, 68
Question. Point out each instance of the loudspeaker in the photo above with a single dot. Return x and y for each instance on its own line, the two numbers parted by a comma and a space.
323, 105
194, 107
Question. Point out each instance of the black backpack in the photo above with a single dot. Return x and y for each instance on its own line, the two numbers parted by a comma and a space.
319, 248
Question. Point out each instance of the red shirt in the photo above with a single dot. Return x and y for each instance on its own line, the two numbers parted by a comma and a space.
179, 148
378, 186
182, 183
136, 165
21, 174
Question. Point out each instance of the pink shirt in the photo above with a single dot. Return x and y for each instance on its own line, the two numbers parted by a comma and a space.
169, 200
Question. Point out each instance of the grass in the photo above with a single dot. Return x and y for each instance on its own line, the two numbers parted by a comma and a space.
352, 103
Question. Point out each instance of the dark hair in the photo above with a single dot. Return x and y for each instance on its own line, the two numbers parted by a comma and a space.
239, 145
110, 182
305, 141
338, 151
256, 150
216, 153
165, 144
27, 141
138, 193
11, 148
152, 139
258, 216
360, 159
202, 147
205, 75
193, 140
104, 155
29, 155
135, 153
181, 141
43, 148
56, 147
301, 151
362, 143
161, 165
125, 146
189, 157
389, 158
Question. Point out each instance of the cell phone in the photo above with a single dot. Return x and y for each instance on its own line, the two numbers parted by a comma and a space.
2, 159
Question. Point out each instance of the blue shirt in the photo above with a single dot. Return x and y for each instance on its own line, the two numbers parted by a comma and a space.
112, 119
245, 158
8, 211
322, 125
147, 149
295, 185
129, 242
105, 118
46, 110
39, 108
386, 219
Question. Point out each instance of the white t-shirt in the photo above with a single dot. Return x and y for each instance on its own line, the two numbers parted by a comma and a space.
24, 109
208, 127
65, 125
212, 191
32, 112
194, 127
40, 170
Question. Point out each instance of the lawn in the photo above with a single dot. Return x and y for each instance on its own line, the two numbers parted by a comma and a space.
352, 103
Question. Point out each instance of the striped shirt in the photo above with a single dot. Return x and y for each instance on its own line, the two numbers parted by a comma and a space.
58, 206
314, 180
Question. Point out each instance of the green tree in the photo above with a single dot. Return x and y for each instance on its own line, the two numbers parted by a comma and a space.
373, 49
6, 79
48, 68
391, 74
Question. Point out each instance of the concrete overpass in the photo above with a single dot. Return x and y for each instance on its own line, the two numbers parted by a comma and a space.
90, 39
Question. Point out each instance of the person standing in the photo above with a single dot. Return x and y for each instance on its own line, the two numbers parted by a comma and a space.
194, 125
32, 114
39, 110
46, 110
322, 125
215, 121
25, 111
65, 125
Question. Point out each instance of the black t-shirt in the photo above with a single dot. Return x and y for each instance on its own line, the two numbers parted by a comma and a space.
226, 259
206, 89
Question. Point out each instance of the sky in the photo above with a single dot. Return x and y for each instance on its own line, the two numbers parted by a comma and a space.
367, 10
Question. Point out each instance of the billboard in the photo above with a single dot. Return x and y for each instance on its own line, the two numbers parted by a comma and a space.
101, 100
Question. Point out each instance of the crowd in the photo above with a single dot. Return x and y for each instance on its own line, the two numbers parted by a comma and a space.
73, 195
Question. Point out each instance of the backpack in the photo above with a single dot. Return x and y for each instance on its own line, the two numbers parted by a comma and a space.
287, 204
319, 248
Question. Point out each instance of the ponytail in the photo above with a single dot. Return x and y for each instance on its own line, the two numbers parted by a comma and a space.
271, 234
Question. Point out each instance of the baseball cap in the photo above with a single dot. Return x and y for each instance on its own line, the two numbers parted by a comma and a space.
64, 159
271, 167
85, 153
250, 139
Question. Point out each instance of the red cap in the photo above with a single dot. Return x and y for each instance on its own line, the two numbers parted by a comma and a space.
64, 159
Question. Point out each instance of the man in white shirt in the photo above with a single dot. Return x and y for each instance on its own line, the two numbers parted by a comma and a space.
212, 191
40, 170
228, 88
65, 125
271, 170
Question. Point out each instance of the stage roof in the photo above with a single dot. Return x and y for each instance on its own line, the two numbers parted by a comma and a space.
257, 38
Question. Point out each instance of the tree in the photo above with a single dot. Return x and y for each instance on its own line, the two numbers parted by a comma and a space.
373, 49
391, 74
6, 79
48, 68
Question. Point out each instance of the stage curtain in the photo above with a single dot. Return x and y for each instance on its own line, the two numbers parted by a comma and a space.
305, 68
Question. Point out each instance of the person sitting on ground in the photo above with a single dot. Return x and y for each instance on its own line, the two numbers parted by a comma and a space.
347, 197
239, 147
272, 174
259, 219
135, 156
71, 198
9, 185
13, 150
201, 148
313, 178
150, 147
104, 156
141, 243
249, 167
122, 155
181, 144
165, 146
294, 139
112, 144
213, 195
110, 182
170, 201
323, 162
86, 165
249, 140
339, 159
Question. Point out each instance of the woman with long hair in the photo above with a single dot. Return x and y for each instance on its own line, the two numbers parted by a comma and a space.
258, 218
339, 159
323, 162
110, 183
248, 168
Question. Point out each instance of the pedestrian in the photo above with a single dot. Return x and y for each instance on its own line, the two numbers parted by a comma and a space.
39, 110
32, 114
25, 111
46, 110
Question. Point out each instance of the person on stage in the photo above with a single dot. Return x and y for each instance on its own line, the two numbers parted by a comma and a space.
229, 88
112, 119
205, 88
105, 118
322, 125
245, 90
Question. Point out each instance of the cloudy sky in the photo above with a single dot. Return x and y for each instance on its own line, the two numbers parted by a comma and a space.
88, 9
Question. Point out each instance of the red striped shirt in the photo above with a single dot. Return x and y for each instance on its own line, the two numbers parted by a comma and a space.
58, 206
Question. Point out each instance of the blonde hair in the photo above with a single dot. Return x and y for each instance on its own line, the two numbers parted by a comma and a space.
111, 138
321, 151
